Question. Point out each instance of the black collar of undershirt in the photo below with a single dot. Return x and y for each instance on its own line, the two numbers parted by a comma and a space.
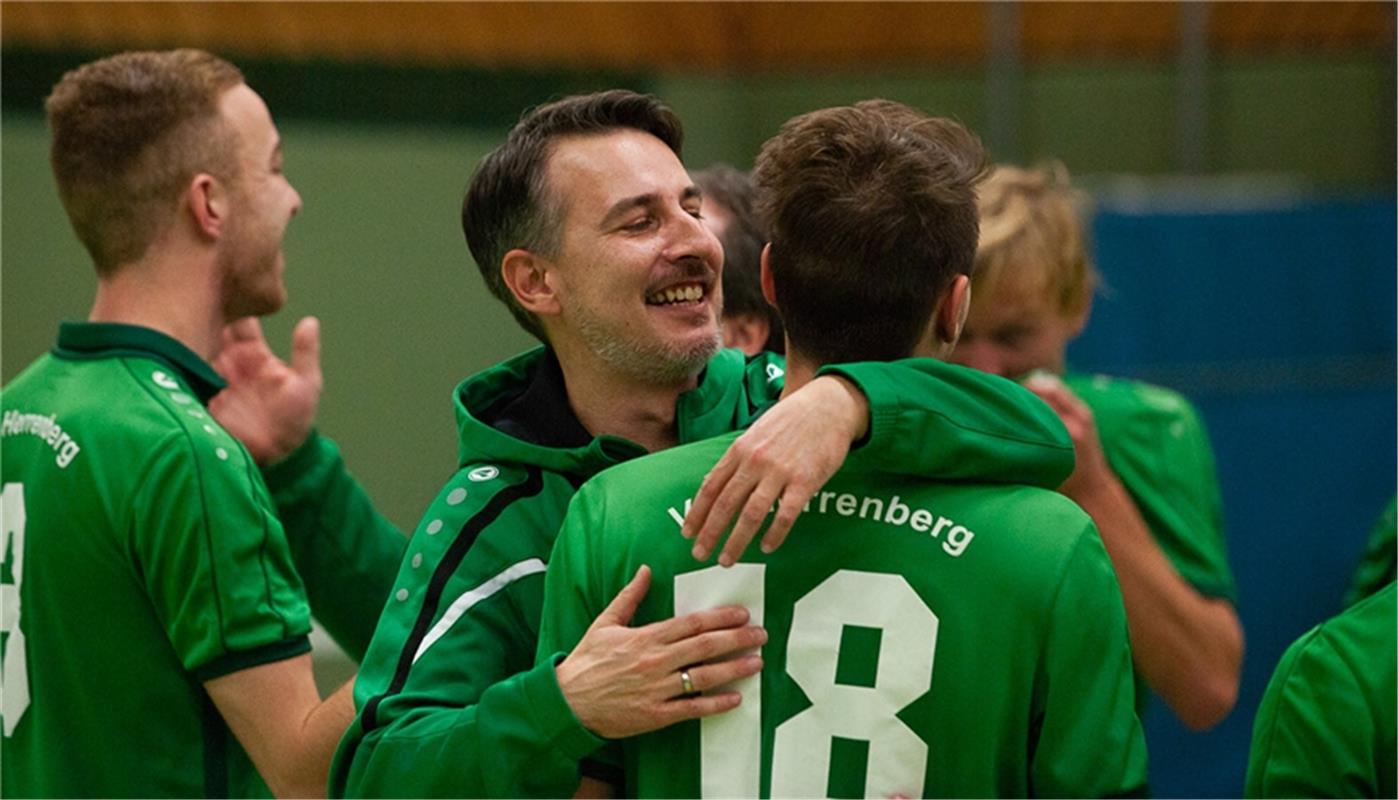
541, 414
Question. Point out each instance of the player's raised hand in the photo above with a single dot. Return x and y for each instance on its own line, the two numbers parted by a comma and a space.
1091, 468
621, 681
786, 456
269, 405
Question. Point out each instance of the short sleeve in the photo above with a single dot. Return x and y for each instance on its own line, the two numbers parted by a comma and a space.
1090, 740
1309, 739
1158, 446
950, 422
214, 558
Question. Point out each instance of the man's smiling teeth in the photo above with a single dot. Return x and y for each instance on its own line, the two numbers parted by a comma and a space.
689, 292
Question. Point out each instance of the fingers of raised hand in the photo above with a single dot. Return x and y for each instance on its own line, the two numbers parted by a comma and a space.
246, 329
305, 348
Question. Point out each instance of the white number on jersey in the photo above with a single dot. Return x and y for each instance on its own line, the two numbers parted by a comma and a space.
730, 744
14, 674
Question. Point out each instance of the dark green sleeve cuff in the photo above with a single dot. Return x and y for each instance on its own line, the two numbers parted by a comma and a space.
881, 408
230, 663
554, 716
316, 451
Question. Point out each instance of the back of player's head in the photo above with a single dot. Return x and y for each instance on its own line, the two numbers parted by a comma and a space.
871, 211
508, 205
128, 133
732, 192
1032, 239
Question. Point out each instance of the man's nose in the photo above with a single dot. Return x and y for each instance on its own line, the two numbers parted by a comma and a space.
693, 239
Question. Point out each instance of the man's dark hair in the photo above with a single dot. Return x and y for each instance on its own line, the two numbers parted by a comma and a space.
871, 211
508, 204
742, 239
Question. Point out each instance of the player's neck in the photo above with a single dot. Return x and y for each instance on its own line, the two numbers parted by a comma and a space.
180, 302
799, 371
608, 404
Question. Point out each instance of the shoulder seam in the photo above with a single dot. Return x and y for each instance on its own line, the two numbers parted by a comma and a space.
181, 431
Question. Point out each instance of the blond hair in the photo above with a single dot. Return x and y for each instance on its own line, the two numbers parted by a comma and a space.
128, 133
1031, 237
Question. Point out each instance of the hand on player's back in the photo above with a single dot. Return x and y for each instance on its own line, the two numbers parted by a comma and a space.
788, 454
269, 405
621, 681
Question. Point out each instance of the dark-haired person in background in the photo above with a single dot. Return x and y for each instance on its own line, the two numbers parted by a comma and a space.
928, 638
749, 322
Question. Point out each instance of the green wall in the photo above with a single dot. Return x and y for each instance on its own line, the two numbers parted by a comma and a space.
377, 252
1328, 120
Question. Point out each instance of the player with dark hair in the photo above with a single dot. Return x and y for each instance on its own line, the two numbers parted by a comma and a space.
585, 223
927, 637
155, 628
1145, 470
749, 322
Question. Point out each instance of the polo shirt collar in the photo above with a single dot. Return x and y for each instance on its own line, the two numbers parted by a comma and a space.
90, 340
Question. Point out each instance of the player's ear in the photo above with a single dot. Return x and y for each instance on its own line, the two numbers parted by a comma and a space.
530, 279
206, 199
950, 315
746, 332
769, 291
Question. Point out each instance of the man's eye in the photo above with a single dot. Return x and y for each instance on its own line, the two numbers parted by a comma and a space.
697, 213
639, 224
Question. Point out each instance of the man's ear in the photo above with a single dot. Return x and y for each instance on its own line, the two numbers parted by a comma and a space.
950, 315
747, 332
206, 198
530, 279
769, 291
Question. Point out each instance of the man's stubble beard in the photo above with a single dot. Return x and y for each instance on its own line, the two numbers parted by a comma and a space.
648, 361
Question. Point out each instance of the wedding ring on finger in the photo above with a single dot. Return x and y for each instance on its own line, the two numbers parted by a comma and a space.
686, 683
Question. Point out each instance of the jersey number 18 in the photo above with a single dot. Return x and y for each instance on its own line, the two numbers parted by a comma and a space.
731, 743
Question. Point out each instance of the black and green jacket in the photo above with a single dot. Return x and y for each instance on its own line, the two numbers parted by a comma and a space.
449, 700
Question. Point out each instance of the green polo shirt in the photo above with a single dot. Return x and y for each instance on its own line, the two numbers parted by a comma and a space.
142, 558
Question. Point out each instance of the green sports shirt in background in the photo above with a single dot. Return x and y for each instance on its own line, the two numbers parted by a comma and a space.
926, 638
1326, 724
450, 701
1379, 565
1155, 442
141, 559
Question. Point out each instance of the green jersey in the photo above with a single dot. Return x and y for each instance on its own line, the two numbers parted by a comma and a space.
450, 700
1325, 727
925, 638
141, 559
1379, 564
1156, 444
